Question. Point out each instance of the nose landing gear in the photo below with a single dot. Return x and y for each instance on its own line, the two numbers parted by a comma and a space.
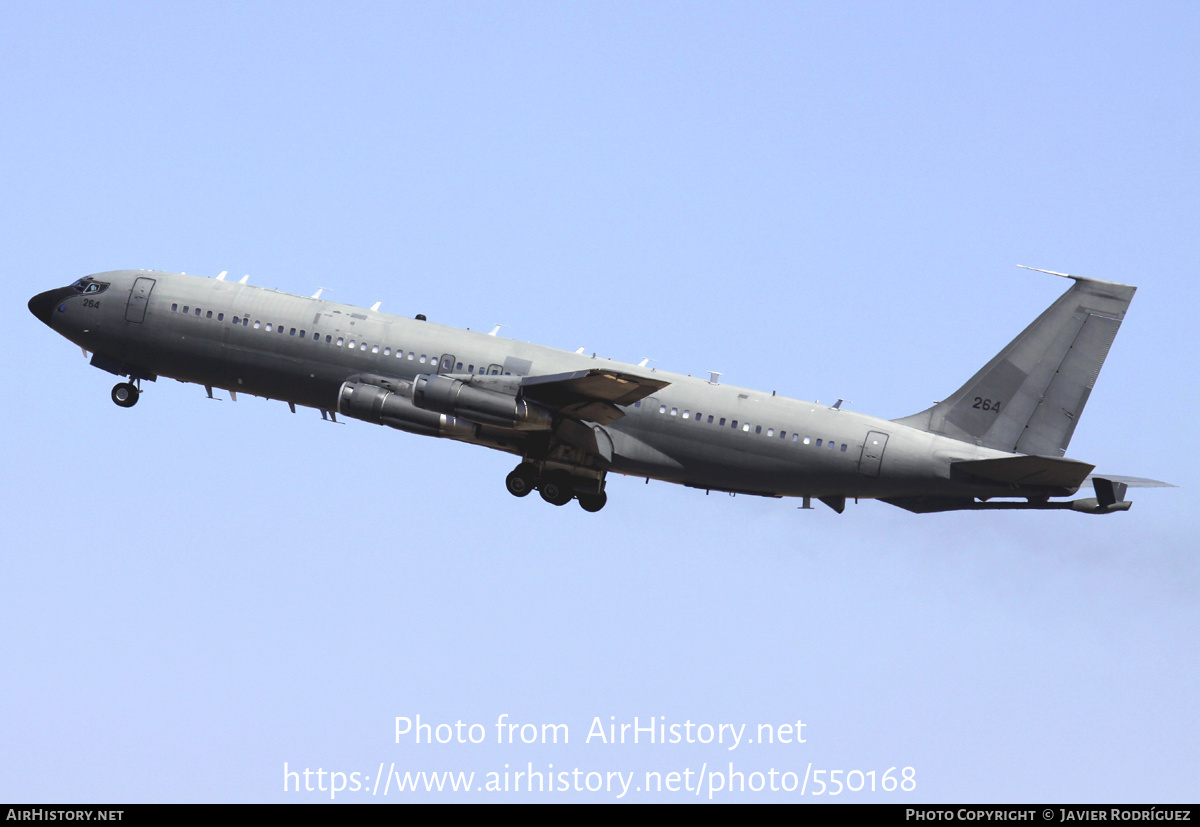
125, 394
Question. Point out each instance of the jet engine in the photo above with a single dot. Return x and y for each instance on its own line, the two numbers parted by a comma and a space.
385, 401
501, 406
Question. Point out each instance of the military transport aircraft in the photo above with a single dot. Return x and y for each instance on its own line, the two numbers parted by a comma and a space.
998, 442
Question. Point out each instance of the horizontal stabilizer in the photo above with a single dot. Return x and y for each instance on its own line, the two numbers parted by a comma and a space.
931, 505
1110, 489
1050, 472
1134, 482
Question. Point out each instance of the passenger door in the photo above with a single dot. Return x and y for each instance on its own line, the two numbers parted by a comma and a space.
139, 297
872, 454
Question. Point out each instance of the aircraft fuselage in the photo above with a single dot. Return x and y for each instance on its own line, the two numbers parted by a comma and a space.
268, 343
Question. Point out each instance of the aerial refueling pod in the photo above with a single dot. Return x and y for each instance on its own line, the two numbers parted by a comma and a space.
502, 407
385, 401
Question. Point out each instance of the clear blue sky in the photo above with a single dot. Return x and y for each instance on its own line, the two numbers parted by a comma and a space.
824, 199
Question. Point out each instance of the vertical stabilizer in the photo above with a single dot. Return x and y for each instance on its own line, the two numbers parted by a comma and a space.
1028, 399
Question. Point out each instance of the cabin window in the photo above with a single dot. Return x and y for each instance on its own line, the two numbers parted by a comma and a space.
197, 312
470, 368
316, 337
783, 434
662, 409
722, 422
292, 332
422, 358
843, 447
374, 349
818, 443
687, 414
175, 308
208, 315
340, 341
796, 437
637, 404
185, 308
770, 432
411, 354
268, 327
257, 323
710, 420
328, 338
387, 351
674, 411
220, 317
758, 429
458, 366
746, 428
807, 440
280, 329
733, 424
352, 344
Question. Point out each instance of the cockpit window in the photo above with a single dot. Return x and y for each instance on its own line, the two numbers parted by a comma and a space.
88, 287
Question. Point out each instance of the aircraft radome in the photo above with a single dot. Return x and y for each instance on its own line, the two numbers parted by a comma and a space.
998, 442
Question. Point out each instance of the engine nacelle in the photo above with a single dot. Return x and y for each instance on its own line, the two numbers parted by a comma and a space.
387, 403
457, 398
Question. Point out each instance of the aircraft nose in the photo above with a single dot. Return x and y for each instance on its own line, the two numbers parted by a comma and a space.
42, 305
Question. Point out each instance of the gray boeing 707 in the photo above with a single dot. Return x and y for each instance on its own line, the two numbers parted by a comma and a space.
998, 442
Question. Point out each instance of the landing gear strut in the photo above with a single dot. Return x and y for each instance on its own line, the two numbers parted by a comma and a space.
125, 394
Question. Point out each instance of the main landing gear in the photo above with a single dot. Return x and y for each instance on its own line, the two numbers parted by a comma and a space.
125, 394
556, 487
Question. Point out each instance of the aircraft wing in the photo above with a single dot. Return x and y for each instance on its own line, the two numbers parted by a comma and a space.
590, 395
